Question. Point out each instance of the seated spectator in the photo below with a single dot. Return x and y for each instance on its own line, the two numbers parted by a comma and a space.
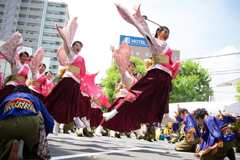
24, 117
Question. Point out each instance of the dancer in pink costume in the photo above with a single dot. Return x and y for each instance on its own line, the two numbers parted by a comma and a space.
147, 101
37, 68
65, 101
49, 86
121, 122
95, 113
19, 68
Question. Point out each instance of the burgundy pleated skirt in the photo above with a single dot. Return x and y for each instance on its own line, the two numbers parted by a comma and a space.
39, 96
65, 101
95, 116
120, 122
86, 107
6, 91
148, 99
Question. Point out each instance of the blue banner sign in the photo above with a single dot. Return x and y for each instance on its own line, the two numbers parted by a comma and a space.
134, 41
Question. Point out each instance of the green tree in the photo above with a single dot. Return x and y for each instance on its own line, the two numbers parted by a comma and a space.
191, 83
113, 74
238, 90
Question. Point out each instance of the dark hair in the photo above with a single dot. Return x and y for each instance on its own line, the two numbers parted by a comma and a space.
42, 64
136, 73
200, 113
22, 53
160, 29
182, 110
98, 84
22, 88
133, 63
77, 42
47, 72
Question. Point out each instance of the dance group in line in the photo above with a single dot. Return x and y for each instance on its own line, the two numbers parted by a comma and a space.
31, 113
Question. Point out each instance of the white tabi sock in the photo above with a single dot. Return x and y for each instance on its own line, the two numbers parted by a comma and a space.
112, 133
139, 132
55, 129
166, 119
110, 115
78, 121
86, 123
98, 131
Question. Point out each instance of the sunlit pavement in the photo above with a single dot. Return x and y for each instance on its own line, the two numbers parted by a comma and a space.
69, 146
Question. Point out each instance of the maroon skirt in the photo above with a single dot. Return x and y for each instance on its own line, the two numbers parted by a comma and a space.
39, 96
148, 99
86, 107
65, 101
6, 91
95, 116
120, 122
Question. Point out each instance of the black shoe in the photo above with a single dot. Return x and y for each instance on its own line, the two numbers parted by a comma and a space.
194, 147
128, 136
149, 140
155, 140
231, 154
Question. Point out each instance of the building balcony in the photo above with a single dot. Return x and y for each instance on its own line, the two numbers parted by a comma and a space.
25, 27
29, 20
53, 23
54, 63
2, 9
52, 38
51, 46
36, 13
25, 35
55, 16
50, 54
35, 5
54, 70
57, 9
30, 44
50, 30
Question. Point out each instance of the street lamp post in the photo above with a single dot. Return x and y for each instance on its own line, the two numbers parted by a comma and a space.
145, 17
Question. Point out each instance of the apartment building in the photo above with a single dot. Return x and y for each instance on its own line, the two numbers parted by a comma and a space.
35, 20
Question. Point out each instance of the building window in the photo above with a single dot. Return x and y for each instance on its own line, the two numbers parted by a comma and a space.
175, 57
147, 54
132, 52
137, 53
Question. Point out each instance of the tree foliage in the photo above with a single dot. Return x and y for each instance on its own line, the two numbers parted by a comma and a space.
191, 83
238, 90
113, 74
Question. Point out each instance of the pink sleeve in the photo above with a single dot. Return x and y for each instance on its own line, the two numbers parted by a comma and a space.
88, 85
105, 101
122, 57
11, 47
83, 68
175, 68
0, 81
139, 22
44, 85
69, 31
36, 61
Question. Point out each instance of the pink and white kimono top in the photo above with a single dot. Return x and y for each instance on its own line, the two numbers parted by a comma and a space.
100, 99
48, 88
41, 79
76, 60
71, 59
9, 51
122, 57
156, 46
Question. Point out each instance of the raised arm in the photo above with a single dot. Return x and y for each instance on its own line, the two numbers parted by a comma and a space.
36, 61
122, 57
61, 34
11, 47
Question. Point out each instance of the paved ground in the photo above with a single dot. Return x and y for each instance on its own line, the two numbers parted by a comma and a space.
69, 146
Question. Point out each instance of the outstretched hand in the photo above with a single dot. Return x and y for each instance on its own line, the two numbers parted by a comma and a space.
111, 48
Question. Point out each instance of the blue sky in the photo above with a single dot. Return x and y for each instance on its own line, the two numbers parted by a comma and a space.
197, 28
